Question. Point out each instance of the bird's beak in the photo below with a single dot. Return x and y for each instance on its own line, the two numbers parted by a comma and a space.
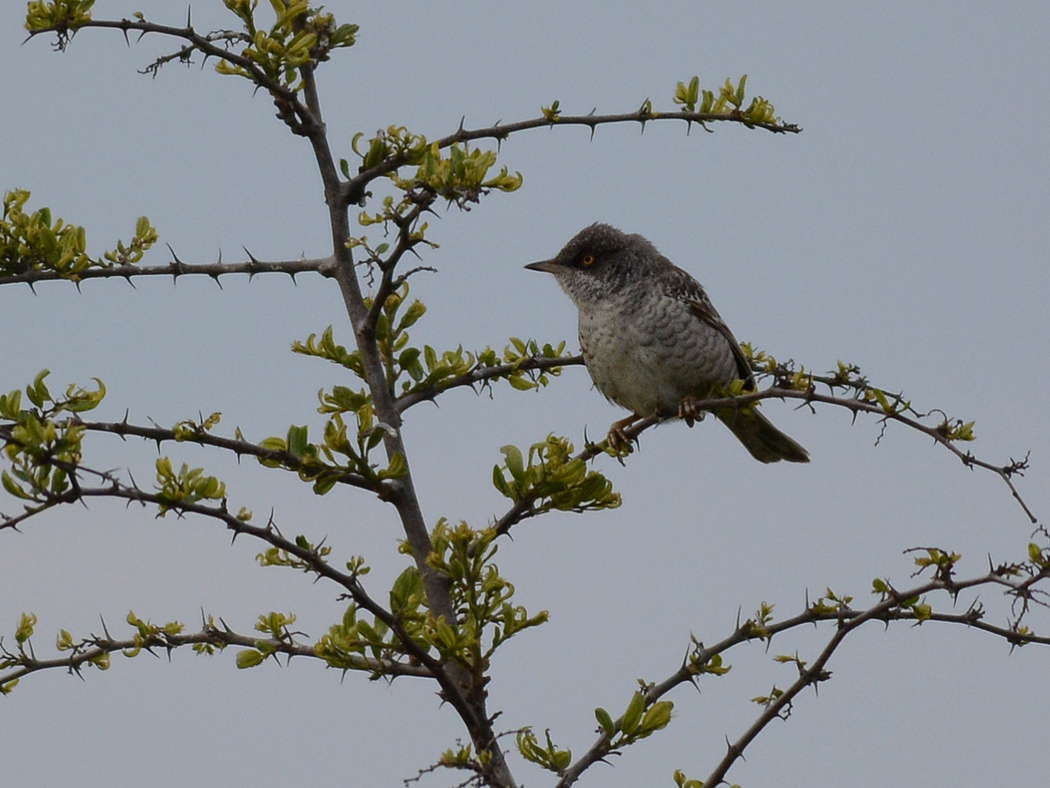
549, 266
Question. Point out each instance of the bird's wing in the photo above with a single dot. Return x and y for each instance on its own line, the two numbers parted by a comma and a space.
684, 288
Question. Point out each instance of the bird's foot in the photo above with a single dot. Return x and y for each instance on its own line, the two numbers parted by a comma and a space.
688, 412
618, 441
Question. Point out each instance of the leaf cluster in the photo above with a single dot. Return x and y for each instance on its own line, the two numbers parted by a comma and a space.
551, 478
415, 373
42, 448
277, 626
481, 596
186, 486
455, 172
65, 17
339, 457
145, 634
391, 338
730, 99
642, 718
318, 553
847, 379
300, 36
36, 242
519, 356
486, 617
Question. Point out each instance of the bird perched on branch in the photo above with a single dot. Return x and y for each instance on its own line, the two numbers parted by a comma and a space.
652, 341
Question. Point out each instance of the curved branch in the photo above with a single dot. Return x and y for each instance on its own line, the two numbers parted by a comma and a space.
309, 557
205, 44
892, 609
237, 446
159, 435
524, 509
354, 189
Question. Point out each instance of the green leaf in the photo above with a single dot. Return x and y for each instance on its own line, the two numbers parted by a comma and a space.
249, 658
657, 717
324, 483
520, 383
561, 759
409, 584
415, 311
275, 444
633, 716
605, 720
25, 628
14, 487
514, 461
297, 440
396, 469
500, 483
38, 392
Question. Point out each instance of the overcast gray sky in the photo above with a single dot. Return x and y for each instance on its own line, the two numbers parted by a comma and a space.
905, 230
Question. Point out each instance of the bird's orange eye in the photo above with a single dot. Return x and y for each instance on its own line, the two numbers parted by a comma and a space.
587, 259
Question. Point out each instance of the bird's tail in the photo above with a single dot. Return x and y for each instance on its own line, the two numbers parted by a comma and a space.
765, 442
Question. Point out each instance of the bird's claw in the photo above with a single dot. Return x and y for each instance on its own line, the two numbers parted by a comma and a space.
688, 412
619, 443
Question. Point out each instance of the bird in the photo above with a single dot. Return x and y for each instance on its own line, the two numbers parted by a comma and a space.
652, 341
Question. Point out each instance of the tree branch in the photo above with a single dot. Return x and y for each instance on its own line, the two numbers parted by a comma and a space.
523, 508
481, 374
354, 189
177, 268
239, 447
405, 243
456, 683
205, 44
310, 557
92, 648
895, 607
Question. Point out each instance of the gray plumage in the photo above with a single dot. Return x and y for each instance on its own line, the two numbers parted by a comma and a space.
651, 338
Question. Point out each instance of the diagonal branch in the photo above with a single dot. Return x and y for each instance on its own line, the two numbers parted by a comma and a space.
309, 557
892, 609
524, 507
388, 283
481, 374
238, 446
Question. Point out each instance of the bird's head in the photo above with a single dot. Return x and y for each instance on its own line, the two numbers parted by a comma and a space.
599, 263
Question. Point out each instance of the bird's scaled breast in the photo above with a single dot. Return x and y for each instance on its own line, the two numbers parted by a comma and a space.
647, 354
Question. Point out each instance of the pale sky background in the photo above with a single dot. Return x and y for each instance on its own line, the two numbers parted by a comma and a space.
906, 230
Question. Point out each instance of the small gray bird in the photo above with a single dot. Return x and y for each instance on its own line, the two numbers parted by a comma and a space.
651, 339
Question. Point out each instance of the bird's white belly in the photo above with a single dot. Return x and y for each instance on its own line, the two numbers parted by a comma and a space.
648, 360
